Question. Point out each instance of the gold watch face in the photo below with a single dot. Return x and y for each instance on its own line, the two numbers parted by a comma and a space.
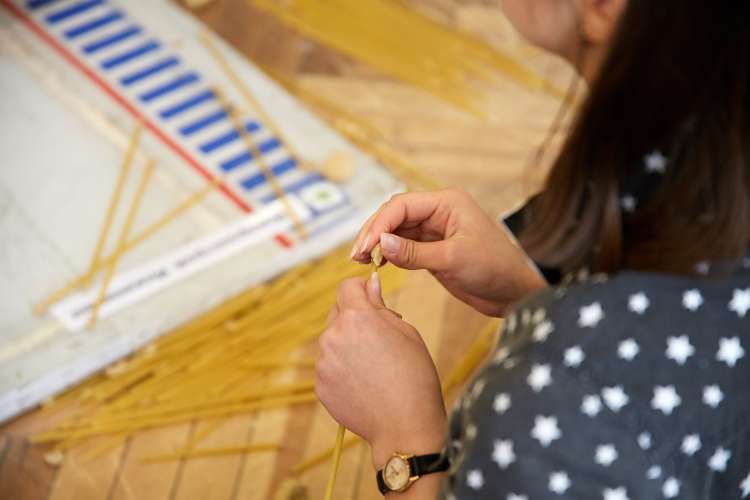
396, 473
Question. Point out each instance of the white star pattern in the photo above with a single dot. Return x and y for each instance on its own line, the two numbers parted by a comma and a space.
712, 395
703, 268
475, 479
730, 351
628, 349
719, 459
574, 356
599, 278
542, 331
616, 494
510, 363
591, 405
644, 440
656, 163
538, 316
606, 454
525, 317
653, 472
510, 322
691, 444
615, 361
745, 486
477, 388
513, 496
679, 349
502, 403
503, 453
590, 316
740, 302
545, 430
500, 356
638, 303
628, 203
671, 487
665, 399
559, 482
692, 300
615, 398
540, 377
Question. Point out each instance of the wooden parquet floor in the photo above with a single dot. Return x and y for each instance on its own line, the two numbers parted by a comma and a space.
491, 160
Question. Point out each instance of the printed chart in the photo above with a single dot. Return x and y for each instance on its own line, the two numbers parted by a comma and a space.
78, 76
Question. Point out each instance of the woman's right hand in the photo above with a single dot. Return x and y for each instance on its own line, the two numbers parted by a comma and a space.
446, 232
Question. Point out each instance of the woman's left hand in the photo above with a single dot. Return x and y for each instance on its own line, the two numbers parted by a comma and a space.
376, 377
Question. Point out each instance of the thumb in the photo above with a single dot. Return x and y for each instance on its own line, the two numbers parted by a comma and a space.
374, 291
410, 254
375, 296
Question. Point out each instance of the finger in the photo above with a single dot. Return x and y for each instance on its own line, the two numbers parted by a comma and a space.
411, 233
398, 323
410, 254
418, 234
352, 294
374, 291
332, 315
393, 314
409, 208
356, 254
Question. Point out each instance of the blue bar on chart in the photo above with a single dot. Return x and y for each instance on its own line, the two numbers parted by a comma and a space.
38, 4
162, 90
187, 104
227, 138
149, 71
203, 122
93, 25
73, 10
110, 40
259, 178
120, 59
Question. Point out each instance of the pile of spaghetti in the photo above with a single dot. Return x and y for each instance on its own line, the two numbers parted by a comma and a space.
228, 361
399, 41
244, 356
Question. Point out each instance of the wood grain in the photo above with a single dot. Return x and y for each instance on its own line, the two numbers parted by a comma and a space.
493, 160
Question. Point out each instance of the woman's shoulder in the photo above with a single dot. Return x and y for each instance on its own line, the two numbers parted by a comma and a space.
659, 352
630, 384
600, 309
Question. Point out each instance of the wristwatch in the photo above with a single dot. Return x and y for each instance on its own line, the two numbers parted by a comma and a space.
402, 470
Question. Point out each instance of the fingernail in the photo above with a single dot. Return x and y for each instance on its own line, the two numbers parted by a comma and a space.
375, 283
364, 244
354, 250
389, 243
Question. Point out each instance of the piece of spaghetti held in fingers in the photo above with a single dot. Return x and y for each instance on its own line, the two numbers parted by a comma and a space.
376, 256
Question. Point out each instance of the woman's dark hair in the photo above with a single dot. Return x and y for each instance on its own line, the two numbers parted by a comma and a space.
677, 78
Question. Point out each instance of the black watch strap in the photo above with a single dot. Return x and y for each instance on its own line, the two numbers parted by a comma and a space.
427, 464
381, 482
419, 465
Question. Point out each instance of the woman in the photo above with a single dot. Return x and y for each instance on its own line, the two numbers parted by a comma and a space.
627, 384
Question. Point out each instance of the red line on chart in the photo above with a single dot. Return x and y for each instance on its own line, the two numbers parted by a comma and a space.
104, 86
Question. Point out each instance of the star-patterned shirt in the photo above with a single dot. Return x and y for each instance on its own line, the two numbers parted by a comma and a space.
633, 386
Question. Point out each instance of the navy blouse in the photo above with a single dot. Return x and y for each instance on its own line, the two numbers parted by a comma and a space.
627, 387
